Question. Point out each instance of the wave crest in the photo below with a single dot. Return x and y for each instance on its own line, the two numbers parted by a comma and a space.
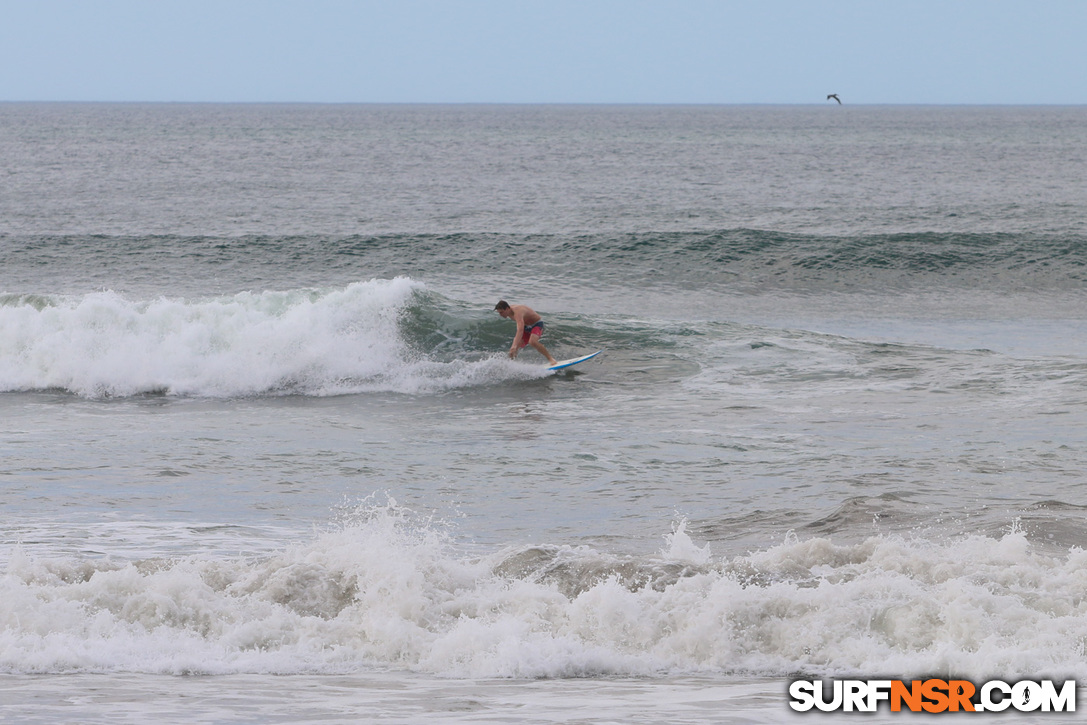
306, 341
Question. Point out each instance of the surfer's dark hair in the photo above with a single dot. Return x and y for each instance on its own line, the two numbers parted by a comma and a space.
502, 305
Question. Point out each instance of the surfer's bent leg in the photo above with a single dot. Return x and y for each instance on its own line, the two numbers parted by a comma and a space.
534, 340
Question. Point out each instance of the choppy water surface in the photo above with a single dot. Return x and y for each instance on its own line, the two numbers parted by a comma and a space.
258, 426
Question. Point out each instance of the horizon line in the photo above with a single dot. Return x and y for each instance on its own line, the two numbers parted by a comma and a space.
542, 103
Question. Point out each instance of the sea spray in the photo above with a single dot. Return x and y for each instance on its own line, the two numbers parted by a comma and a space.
387, 588
305, 341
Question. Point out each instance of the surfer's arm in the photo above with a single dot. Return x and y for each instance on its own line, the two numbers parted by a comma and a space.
516, 347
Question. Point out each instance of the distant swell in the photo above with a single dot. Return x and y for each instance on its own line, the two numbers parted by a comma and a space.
758, 260
732, 260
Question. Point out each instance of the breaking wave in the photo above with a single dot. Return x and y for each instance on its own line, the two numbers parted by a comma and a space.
386, 589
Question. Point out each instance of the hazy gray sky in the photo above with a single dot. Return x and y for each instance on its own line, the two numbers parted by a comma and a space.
545, 51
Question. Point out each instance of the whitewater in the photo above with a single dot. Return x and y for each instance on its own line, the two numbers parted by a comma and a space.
263, 457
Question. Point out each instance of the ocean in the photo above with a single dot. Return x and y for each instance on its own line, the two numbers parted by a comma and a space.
264, 459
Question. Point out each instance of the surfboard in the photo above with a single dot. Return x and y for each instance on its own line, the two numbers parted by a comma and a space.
574, 361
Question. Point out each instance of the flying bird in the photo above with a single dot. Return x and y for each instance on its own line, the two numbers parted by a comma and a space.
835, 97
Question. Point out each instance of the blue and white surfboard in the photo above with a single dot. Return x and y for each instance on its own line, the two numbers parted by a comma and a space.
574, 361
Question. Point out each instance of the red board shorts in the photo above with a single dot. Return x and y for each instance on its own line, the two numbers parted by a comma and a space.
536, 329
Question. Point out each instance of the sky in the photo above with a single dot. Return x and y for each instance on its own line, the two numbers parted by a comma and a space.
545, 51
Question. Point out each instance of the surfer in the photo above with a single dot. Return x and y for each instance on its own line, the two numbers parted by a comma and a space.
529, 328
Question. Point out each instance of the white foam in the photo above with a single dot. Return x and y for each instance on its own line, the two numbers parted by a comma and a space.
682, 548
385, 590
314, 342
